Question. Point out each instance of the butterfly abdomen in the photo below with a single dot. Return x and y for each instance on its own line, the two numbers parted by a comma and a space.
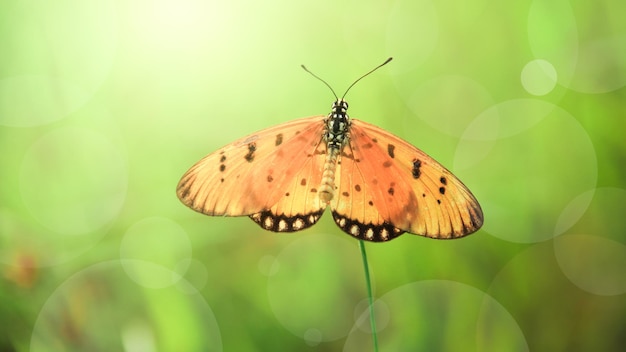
327, 189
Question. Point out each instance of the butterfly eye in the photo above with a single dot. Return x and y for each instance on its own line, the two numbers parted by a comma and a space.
344, 105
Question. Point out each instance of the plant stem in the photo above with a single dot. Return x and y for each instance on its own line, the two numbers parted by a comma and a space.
370, 297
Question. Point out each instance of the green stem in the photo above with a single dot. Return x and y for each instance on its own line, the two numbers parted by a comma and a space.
370, 297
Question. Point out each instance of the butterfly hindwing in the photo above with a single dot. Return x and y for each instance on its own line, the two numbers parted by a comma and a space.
299, 206
264, 175
402, 189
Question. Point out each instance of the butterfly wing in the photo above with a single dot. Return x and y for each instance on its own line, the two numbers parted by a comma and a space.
388, 186
299, 205
270, 176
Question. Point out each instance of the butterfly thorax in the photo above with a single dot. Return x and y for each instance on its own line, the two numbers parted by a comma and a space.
337, 124
336, 136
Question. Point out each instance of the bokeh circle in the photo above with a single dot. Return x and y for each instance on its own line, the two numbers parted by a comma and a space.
68, 55
99, 308
73, 180
440, 315
527, 168
312, 290
155, 252
592, 253
539, 77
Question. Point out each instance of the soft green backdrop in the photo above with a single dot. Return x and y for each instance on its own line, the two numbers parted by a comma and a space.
105, 104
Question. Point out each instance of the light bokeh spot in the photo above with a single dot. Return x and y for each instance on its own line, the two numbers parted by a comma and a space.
32, 100
441, 315
593, 263
507, 119
268, 265
313, 337
449, 103
573, 211
524, 181
73, 180
592, 253
84, 310
311, 268
538, 77
498, 121
362, 315
155, 252
138, 336
195, 274
69, 52
590, 56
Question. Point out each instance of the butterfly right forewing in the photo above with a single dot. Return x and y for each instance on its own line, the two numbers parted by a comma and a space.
402, 190
252, 174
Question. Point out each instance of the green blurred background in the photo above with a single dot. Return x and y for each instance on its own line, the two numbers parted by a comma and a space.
105, 104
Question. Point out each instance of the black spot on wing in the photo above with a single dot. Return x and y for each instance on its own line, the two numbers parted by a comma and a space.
283, 223
250, 155
279, 139
222, 160
368, 232
416, 168
391, 150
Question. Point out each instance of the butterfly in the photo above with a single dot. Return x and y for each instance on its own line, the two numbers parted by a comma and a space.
377, 185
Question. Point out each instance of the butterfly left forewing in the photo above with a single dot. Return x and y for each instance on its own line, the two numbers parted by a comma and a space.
409, 190
250, 175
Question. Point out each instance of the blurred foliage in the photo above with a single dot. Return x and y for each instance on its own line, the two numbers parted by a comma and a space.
104, 105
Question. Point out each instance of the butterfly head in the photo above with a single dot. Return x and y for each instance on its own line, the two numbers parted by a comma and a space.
339, 116
340, 106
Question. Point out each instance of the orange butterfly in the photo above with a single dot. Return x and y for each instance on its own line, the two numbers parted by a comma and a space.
378, 186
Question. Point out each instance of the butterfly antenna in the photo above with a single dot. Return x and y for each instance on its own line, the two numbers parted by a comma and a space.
360, 78
327, 85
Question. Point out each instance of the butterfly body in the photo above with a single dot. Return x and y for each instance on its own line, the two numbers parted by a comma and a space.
337, 125
377, 185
